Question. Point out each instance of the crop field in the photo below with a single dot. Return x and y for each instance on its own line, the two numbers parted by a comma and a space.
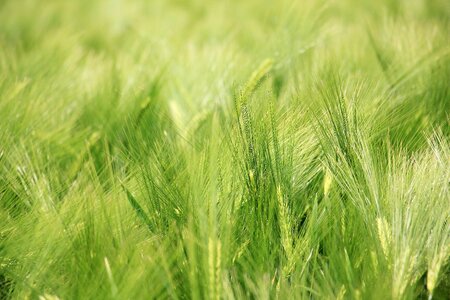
224, 149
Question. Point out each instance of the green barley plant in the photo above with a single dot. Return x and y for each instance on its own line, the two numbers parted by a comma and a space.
249, 149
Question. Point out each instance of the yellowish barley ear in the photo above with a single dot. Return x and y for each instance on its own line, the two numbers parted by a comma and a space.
384, 234
212, 269
218, 271
327, 181
286, 237
433, 270
93, 139
341, 294
48, 297
374, 259
255, 79
358, 294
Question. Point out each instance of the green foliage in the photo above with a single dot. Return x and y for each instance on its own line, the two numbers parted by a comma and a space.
224, 149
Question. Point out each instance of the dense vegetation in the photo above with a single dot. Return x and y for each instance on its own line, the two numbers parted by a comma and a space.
231, 149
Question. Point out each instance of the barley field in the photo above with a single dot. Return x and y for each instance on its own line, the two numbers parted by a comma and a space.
234, 149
